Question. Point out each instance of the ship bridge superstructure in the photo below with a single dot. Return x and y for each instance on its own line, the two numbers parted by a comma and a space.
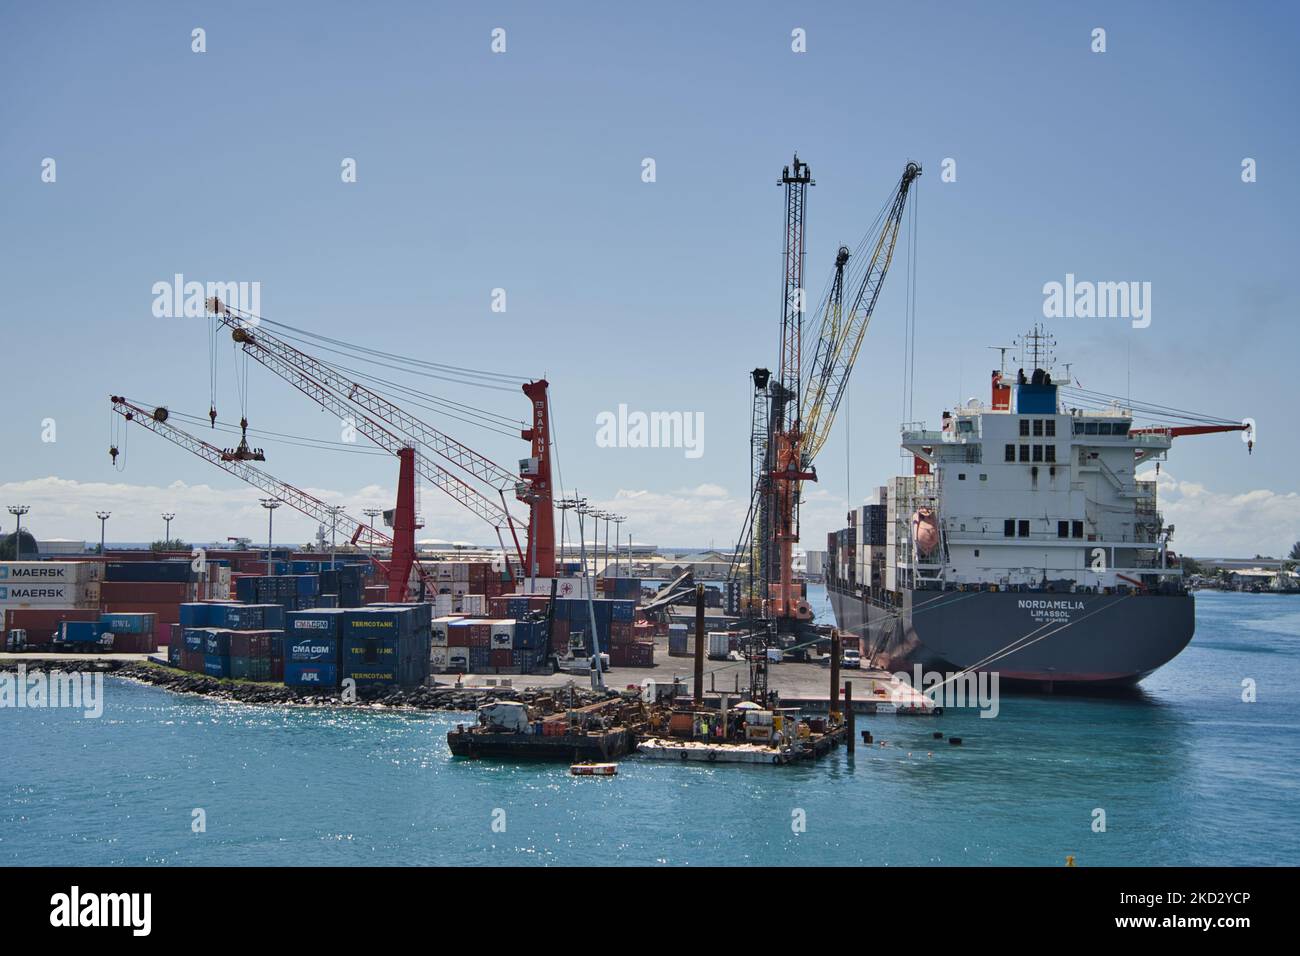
1026, 491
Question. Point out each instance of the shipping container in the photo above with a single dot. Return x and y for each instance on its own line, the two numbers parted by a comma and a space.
173, 571
80, 632
128, 623
216, 665
310, 675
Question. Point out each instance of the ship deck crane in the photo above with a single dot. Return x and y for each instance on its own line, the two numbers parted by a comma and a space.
1178, 431
396, 571
393, 429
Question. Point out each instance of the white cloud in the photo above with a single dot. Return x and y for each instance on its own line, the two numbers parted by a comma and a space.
61, 508
1218, 524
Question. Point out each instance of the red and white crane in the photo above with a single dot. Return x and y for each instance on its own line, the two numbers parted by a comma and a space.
392, 428
397, 571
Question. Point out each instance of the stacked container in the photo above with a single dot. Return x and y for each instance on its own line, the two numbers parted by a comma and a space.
72, 585
313, 648
386, 645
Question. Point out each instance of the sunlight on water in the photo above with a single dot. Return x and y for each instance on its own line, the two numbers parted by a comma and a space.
1185, 772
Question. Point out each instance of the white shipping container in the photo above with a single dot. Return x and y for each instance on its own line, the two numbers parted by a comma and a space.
719, 645
27, 594
460, 571
503, 634
474, 604
437, 657
49, 572
439, 632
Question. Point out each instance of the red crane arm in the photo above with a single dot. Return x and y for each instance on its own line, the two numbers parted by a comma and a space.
1178, 431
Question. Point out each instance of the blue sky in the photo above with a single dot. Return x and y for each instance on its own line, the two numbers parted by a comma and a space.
522, 171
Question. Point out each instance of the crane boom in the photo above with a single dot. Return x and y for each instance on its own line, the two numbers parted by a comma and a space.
336, 394
157, 422
841, 334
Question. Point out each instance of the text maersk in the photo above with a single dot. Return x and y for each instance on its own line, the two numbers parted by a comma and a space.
1051, 605
18, 593
53, 571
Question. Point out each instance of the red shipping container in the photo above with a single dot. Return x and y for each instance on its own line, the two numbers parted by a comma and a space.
146, 592
42, 618
502, 658
480, 635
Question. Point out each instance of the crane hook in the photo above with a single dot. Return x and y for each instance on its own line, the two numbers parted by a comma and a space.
212, 415
112, 452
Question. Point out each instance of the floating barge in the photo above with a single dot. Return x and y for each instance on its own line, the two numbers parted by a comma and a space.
602, 731
815, 745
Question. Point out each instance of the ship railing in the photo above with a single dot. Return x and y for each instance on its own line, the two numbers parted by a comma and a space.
959, 537
1034, 587
924, 437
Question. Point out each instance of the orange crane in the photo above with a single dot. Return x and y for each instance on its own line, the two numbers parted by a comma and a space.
799, 416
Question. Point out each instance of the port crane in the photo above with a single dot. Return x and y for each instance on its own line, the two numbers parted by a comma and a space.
394, 429
793, 411
397, 571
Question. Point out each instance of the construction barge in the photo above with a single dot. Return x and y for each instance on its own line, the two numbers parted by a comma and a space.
605, 730
663, 722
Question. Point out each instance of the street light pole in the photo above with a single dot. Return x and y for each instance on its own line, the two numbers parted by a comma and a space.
597, 672
270, 504
564, 504
335, 511
18, 511
103, 517
167, 535
372, 513
618, 534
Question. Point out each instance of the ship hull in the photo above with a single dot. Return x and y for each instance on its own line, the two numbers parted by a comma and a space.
1036, 640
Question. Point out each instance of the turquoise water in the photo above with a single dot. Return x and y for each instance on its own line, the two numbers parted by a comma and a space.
1186, 774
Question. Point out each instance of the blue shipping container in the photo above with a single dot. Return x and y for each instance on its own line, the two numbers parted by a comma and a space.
311, 650
217, 643
80, 632
310, 675
216, 665
123, 623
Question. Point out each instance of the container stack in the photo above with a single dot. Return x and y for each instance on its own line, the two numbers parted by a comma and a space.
133, 632
240, 641
625, 588
386, 645
313, 648
465, 587
160, 587
572, 617
39, 596
486, 646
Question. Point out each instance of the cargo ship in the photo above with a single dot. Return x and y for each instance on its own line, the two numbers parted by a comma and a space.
1023, 543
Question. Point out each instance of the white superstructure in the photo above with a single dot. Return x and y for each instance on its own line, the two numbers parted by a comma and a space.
1025, 491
